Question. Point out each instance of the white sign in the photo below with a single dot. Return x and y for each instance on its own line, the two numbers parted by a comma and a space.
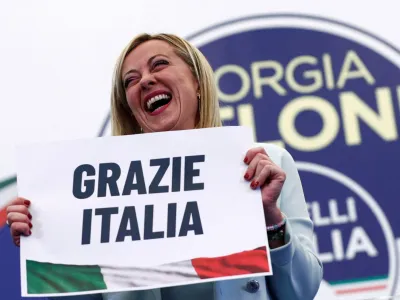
124, 213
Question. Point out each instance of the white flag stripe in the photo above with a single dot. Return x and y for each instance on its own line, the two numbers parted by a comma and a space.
120, 277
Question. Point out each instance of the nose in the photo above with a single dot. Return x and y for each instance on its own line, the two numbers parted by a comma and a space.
147, 82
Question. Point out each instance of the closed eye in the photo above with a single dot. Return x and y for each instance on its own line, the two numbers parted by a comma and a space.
128, 81
160, 62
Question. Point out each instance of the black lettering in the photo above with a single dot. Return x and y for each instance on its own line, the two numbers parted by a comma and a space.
88, 183
106, 180
86, 226
148, 224
176, 174
129, 219
171, 220
135, 171
105, 214
155, 187
191, 211
190, 172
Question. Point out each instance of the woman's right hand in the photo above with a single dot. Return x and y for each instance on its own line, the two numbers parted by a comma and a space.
19, 219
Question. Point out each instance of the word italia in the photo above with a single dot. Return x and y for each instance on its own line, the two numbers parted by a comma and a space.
129, 225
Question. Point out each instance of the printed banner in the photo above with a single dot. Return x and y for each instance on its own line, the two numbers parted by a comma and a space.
329, 93
139, 212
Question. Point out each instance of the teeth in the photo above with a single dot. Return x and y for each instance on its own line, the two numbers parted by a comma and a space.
156, 98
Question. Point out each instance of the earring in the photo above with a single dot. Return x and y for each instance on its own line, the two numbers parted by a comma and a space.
198, 100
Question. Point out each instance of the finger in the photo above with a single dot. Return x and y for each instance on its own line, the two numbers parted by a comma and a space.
252, 168
18, 208
269, 174
252, 153
20, 201
18, 217
18, 213
19, 228
262, 177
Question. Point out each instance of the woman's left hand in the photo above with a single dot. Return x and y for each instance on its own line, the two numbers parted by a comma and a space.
263, 173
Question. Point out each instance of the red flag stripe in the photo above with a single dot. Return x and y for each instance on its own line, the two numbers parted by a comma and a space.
246, 262
3, 217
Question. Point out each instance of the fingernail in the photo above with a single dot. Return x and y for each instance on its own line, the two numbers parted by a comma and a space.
30, 216
254, 184
245, 160
27, 202
30, 225
246, 176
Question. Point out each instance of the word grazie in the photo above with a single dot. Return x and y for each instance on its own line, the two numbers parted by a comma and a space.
109, 174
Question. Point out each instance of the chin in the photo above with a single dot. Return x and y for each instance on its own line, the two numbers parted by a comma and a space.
162, 127
169, 124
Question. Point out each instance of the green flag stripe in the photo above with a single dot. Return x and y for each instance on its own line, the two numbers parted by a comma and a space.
56, 278
7, 182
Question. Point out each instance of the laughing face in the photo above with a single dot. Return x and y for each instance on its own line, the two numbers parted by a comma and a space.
160, 88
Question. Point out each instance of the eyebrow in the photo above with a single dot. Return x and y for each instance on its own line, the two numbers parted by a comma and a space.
148, 63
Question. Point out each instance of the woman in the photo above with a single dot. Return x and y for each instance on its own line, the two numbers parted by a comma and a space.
163, 83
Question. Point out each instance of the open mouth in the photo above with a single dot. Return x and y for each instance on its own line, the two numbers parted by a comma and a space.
158, 103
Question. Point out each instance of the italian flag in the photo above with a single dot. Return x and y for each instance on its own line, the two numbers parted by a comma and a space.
48, 278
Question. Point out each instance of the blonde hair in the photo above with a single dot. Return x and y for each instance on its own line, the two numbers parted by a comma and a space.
122, 120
